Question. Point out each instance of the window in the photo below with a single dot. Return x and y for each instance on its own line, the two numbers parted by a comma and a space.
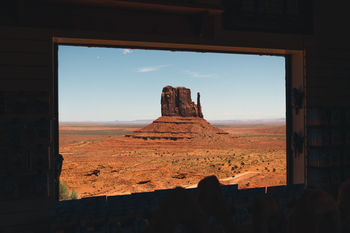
107, 93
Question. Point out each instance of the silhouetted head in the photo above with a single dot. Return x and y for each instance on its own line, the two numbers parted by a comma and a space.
212, 202
209, 194
316, 212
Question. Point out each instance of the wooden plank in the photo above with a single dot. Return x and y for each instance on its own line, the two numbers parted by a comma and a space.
316, 75
15, 33
330, 92
296, 160
172, 5
24, 59
78, 39
24, 205
33, 227
324, 102
24, 73
328, 53
25, 46
315, 64
24, 85
21, 218
328, 82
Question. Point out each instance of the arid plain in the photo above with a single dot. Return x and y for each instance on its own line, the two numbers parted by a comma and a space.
100, 160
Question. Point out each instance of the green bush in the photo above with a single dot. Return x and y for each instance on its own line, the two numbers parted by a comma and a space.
64, 193
74, 195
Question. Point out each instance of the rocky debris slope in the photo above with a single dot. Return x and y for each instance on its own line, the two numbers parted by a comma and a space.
175, 128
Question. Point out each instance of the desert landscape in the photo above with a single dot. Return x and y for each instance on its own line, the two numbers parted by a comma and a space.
178, 149
100, 160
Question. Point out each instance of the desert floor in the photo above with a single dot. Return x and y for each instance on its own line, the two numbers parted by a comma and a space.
100, 160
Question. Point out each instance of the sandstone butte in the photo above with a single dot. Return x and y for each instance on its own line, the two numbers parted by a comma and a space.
181, 119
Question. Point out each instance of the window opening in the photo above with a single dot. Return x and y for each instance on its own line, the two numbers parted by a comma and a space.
135, 120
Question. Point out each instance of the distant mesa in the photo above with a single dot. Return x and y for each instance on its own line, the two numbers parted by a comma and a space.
176, 101
181, 119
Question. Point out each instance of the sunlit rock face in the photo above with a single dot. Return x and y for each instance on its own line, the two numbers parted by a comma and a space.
176, 101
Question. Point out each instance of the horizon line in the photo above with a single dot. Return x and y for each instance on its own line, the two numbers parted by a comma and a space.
112, 121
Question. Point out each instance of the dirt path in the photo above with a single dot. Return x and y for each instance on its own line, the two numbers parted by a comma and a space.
239, 177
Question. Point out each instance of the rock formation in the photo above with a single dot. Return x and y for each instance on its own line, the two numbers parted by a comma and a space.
176, 101
181, 119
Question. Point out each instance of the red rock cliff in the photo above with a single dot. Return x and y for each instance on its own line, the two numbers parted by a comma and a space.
176, 101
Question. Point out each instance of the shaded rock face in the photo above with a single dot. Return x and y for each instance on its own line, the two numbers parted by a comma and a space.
176, 101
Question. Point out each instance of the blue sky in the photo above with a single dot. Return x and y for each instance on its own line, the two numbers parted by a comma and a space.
108, 84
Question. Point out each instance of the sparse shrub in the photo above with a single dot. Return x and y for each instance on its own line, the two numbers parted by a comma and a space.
63, 192
174, 161
242, 163
74, 195
274, 169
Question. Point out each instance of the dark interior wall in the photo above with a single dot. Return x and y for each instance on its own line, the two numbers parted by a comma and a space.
28, 161
328, 98
25, 165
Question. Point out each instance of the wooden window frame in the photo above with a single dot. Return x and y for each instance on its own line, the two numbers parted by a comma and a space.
295, 79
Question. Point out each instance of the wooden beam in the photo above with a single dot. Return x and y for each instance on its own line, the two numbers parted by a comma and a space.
164, 6
171, 46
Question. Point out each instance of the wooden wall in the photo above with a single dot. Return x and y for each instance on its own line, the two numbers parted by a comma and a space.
27, 110
328, 98
26, 178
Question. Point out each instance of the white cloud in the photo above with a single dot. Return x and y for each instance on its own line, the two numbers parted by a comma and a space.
199, 75
150, 68
98, 57
126, 51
